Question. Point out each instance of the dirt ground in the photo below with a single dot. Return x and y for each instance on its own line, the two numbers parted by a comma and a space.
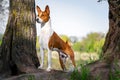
43, 75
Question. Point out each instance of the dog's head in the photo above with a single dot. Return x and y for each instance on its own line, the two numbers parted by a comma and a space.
43, 16
63, 56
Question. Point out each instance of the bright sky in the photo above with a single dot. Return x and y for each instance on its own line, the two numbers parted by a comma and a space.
77, 17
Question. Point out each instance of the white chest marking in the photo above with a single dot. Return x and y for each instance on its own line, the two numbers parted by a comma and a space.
45, 34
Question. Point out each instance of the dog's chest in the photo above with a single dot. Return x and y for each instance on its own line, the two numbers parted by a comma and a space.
45, 35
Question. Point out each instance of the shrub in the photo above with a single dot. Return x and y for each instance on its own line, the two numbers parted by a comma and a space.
93, 42
77, 46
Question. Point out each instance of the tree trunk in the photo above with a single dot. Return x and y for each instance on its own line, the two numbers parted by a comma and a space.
18, 49
111, 49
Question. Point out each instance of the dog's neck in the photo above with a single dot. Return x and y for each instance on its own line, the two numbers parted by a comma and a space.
46, 28
47, 24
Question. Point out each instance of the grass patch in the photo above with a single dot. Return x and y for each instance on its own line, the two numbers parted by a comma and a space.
31, 77
80, 75
116, 74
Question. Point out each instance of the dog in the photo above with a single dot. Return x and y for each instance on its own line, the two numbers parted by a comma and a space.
50, 41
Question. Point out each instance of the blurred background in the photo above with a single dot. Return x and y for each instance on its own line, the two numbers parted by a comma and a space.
84, 23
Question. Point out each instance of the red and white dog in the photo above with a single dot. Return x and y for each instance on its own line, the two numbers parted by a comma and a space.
51, 41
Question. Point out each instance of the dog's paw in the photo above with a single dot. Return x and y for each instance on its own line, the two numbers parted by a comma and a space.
49, 69
40, 67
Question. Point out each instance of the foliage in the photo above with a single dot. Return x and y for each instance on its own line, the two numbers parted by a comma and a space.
77, 46
82, 75
93, 42
98, 45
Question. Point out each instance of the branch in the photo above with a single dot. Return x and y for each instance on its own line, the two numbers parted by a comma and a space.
101, 0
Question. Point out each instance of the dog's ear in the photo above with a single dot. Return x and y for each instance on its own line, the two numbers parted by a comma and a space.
47, 9
38, 9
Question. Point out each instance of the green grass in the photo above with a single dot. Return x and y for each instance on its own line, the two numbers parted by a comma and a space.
82, 75
31, 77
116, 74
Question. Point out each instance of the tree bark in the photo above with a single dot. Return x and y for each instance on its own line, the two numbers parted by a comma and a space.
18, 49
111, 48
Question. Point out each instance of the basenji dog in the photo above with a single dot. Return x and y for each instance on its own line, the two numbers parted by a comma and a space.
50, 41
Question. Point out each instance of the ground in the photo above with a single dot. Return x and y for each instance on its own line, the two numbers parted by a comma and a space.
56, 73
43, 75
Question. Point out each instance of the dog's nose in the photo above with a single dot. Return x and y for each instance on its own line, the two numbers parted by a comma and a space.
37, 19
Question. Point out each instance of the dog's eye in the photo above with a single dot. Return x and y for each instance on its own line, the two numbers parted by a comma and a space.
38, 15
62, 56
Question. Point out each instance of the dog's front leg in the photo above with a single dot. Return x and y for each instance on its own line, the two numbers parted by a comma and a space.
41, 57
49, 60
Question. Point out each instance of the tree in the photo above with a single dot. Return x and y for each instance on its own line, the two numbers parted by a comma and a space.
111, 49
18, 48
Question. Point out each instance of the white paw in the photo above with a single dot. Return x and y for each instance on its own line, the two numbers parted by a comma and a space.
48, 69
40, 67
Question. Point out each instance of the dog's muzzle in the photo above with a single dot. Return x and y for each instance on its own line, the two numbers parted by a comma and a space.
37, 19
